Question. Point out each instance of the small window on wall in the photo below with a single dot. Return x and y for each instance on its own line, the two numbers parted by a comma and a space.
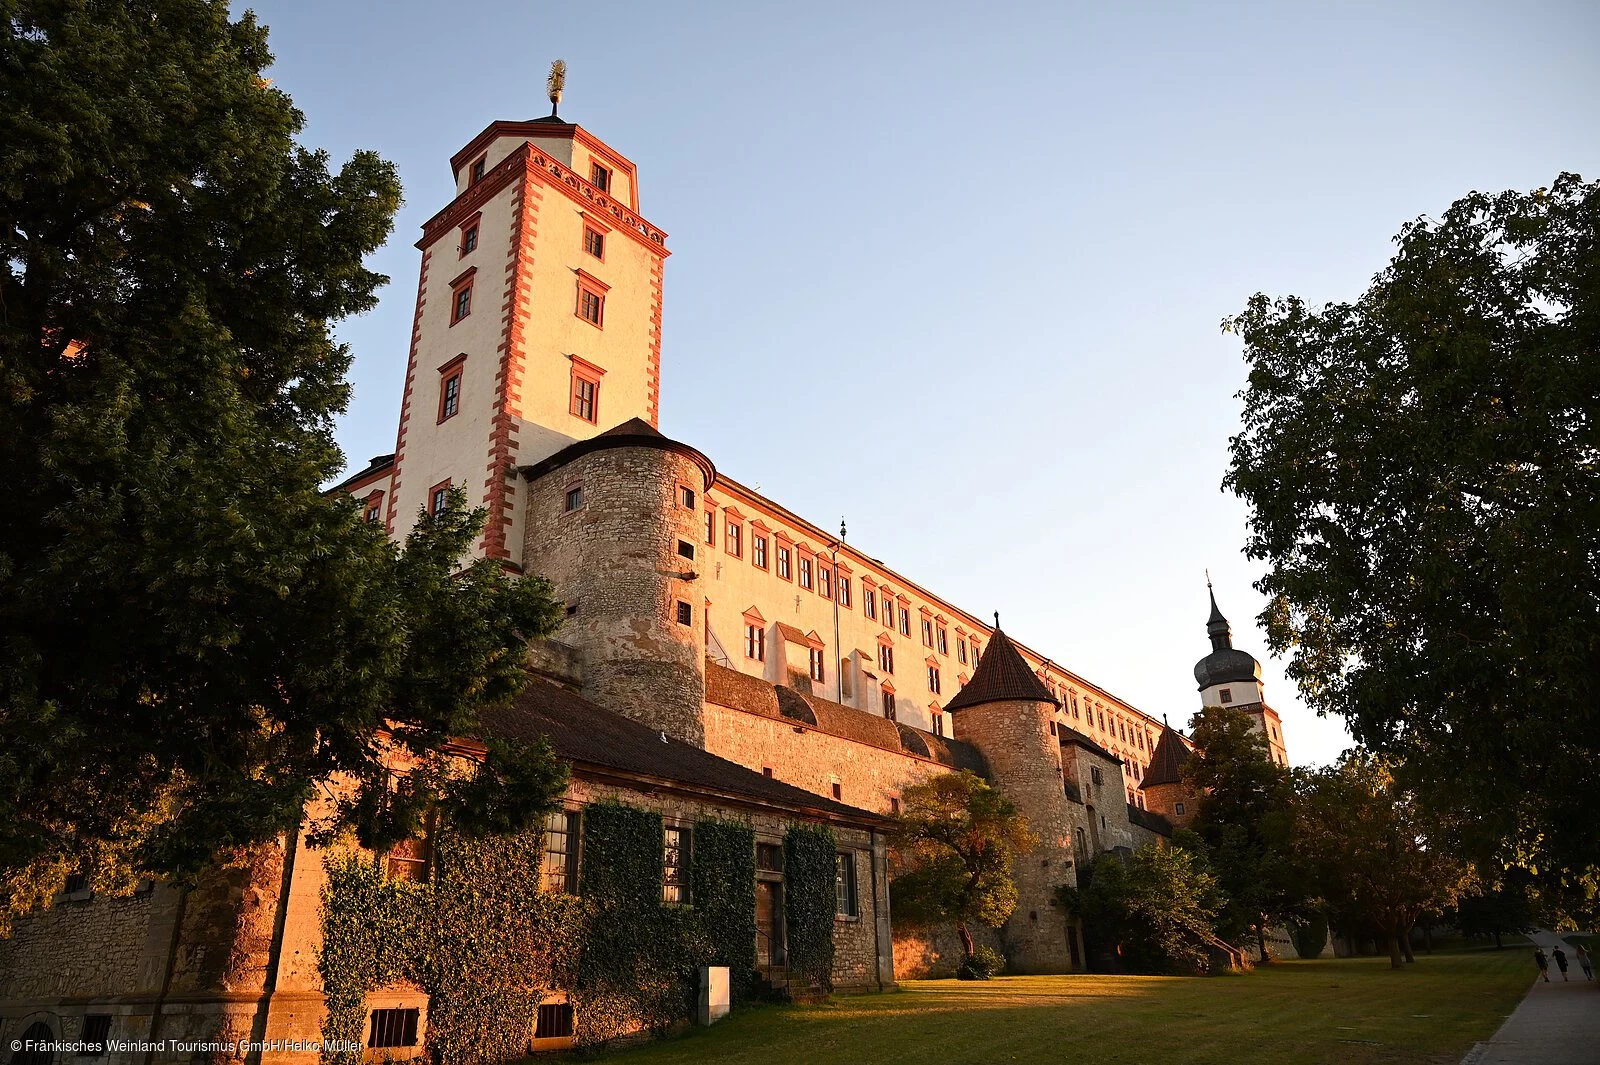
824, 581
560, 869
886, 657
408, 859
600, 177
942, 638
585, 398
591, 305
1179, 809
1226, 695
769, 856
573, 499
894, 806
686, 550
818, 671
869, 604
927, 633
462, 303
844, 591
393, 1028
374, 507
438, 498
1096, 776
675, 866
478, 168
733, 542
469, 240
96, 1030
783, 562
844, 885
888, 705
553, 1026
685, 613
758, 551
933, 679
838, 791
755, 643
938, 723
450, 395
594, 242
961, 650
905, 620
711, 528
805, 573
685, 497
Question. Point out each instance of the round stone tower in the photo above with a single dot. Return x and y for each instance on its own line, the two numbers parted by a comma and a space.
1006, 712
614, 522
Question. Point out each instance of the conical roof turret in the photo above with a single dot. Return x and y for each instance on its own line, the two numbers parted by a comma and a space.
1001, 675
1167, 761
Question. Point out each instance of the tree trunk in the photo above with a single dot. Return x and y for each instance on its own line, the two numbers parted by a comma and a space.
1497, 944
1261, 940
1405, 945
966, 937
1396, 959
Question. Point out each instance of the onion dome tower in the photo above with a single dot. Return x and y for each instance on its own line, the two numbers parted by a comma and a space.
1231, 677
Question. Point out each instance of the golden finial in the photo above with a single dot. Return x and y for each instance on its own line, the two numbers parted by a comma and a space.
556, 82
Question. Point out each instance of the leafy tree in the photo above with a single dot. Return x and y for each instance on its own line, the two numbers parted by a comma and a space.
954, 844
1156, 913
193, 637
1364, 841
1421, 470
1245, 820
1497, 909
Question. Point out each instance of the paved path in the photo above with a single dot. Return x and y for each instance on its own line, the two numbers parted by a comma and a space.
1556, 1024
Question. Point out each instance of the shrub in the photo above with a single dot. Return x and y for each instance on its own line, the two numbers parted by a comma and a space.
982, 964
1311, 936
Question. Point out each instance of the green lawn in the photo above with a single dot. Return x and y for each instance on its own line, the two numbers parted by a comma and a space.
1348, 1012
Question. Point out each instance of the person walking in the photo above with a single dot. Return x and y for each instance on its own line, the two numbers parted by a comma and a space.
1542, 962
1585, 962
1561, 961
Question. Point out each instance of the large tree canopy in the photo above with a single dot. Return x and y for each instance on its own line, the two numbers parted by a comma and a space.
193, 636
1422, 467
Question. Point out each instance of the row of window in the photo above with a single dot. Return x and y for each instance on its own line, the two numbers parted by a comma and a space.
599, 176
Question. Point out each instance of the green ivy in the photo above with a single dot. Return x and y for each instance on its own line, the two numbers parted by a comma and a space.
808, 873
723, 883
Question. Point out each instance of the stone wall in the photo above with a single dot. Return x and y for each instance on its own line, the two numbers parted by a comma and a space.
614, 560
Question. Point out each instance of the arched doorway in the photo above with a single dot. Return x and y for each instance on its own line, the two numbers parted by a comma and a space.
36, 1033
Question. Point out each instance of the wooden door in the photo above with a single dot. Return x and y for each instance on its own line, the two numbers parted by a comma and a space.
769, 923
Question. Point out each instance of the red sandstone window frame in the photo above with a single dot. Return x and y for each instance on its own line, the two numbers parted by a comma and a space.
805, 579
927, 631
733, 536
594, 241
461, 308
372, 506
468, 233
869, 602
584, 390
886, 654
841, 587
941, 639
755, 641
436, 501
934, 677
451, 373
600, 175
480, 166
758, 549
903, 613
824, 579
785, 568
595, 289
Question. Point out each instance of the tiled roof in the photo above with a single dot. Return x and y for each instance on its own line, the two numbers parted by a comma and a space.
1149, 819
1071, 735
588, 735
635, 432
1166, 763
378, 464
740, 691
1001, 675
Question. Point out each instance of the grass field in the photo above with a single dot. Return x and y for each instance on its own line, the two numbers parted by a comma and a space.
1350, 1011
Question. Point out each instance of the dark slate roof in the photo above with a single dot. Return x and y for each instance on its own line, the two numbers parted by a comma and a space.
635, 432
1001, 675
740, 691
1226, 664
1166, 762
1149, 819
378, 464
588, 735
1072, 735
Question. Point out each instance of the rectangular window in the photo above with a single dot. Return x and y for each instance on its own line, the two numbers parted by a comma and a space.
734, 543
686, 550
408, 859
600, 177
450, 396
974, 654
942, 638
927, 633
886, 657
783, 562
462, 305
758, 551
905, 620
755, 643
894, 805
591, 306
769, 856
844, 885
478, 168
933, 679
586, 398
869, 603
675, 866
1226, 695
817, 671
469, 240
844, 592
594, 242
685, 613
438, 498
838, 790
1096, 776
560, 869
393, 1028
711, 528
888, 705
824, 581
686, 497
805, 573
96, 1030
375, 507
553, 1021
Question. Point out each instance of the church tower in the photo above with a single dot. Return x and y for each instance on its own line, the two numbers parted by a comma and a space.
1231, 677
538, 321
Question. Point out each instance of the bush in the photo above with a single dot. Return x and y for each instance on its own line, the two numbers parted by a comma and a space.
1310, 937
981, 964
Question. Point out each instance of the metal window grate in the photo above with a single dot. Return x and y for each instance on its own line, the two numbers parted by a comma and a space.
393, 1028
554, 1021
96, 1030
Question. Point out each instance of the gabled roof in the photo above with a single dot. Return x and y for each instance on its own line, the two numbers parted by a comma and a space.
1001, 675
1166, 763
1071, 735
379, 464
592, 737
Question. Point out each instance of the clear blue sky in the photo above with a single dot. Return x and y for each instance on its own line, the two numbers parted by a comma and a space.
955, 271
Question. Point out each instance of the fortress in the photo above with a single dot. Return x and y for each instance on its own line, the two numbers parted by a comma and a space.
721, 656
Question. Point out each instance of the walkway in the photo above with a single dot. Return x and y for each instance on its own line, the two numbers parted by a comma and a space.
1556, 1024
